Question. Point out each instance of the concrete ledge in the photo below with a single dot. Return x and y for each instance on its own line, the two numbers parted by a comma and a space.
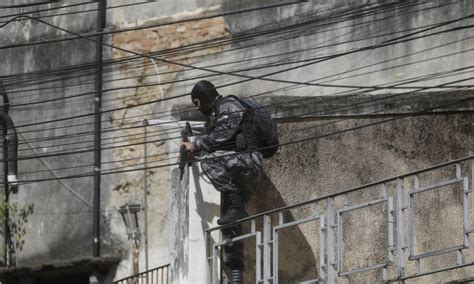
356, 105
62, 268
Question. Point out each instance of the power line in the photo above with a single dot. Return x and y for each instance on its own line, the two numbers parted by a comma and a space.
266, 32
28, 4
75, 12
188, 57
170, 138
402, 82
306, 100
273, 73
171, 131
94, 34
49, 9
424, 111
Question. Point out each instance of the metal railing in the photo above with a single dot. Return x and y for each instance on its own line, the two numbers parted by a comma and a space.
158, 275
404, 217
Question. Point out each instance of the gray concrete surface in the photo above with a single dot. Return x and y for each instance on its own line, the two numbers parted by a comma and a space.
61, 225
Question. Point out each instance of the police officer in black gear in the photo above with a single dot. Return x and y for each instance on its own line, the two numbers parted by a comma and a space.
204, 93
231, 172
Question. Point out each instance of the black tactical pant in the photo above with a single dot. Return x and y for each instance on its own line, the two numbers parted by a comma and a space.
231, 171
240, 173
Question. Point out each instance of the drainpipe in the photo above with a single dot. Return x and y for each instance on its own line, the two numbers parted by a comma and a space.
145, 192
98, 126
10, 166
11, 146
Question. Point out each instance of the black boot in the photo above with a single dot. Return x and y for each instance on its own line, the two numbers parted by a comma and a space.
235, 210
235, 276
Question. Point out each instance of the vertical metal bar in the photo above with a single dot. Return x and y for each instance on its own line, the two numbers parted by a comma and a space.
400, 255
416, 181
458, 170
330, 242
215, 252
322, 255
390, 235
258, 257
258, 252
266, 248
101, 14
390, 229
459, 257
207, 246
417, 266
275, 249
465, 192
411, 236
340, 243
472, 175
472, 187
145, 192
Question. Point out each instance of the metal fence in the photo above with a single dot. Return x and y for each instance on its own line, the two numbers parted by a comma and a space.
159, 275
421, 223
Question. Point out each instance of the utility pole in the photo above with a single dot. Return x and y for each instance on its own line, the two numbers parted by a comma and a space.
145, 192
102, 11
6, 196
10, 167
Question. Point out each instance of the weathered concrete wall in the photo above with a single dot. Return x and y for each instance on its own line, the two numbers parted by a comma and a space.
316, 167
370, 66
61, 225
324, 166
152, 77
65, 231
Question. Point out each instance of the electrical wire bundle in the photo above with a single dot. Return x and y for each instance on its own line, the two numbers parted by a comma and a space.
68, 135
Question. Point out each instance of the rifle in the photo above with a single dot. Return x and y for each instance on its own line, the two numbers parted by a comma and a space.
183, 153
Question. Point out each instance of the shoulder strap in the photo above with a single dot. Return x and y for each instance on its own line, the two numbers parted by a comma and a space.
242, 102
216, 106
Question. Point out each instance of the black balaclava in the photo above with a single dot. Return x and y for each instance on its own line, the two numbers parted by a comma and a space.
207, 94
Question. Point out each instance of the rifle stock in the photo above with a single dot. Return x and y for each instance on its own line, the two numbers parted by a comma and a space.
183, 153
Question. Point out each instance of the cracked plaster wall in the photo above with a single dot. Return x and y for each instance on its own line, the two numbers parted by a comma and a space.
152, 78
379, 153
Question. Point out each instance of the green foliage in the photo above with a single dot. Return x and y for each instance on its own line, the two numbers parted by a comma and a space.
16, 229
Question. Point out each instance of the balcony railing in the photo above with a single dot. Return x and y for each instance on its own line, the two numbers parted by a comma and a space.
404, 227
159, 275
